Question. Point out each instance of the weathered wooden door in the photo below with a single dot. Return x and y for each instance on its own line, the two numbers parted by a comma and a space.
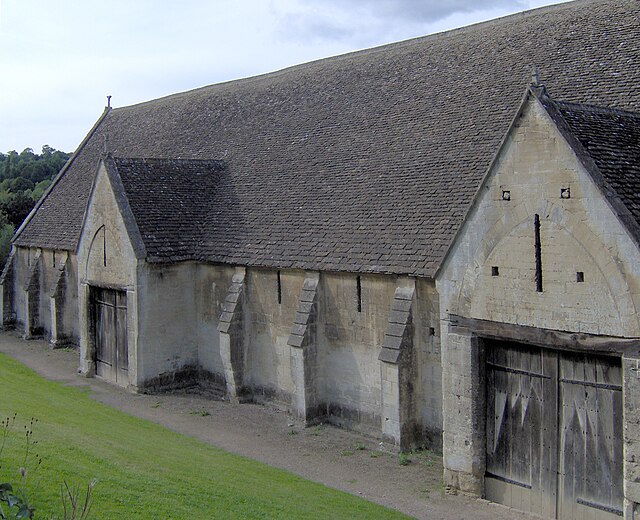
590, 431
521, 416
554, 432
110, 319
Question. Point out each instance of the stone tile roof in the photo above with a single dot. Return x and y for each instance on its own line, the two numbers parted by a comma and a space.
169, 199
365, 162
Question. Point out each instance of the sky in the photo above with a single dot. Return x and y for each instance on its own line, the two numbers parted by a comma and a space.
59, 59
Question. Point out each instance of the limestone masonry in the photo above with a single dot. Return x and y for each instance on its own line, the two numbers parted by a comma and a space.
425, 242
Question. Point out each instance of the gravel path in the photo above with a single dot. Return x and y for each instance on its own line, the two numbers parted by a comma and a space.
337, 458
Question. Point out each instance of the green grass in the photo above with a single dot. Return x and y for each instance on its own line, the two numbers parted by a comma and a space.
144, 470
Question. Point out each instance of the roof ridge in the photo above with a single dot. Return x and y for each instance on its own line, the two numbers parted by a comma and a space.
378, 48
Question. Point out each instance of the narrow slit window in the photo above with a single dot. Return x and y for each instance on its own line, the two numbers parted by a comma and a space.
54, 259
495, 270
279, 283
580, 276
538, 252
359, 293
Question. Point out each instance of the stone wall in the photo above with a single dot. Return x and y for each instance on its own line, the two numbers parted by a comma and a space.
268, 320
22, 267
167, 328
212, 284
44, 293
350, 341
427, 385
180, 332
70, 323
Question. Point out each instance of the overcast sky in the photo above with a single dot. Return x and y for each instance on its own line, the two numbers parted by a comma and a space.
60, 58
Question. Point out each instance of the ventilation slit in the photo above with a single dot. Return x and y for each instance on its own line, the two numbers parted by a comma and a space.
279, 288
538, 249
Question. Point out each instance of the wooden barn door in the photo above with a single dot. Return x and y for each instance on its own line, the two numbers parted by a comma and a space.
110, 319
554, 432
521, 424
590, 473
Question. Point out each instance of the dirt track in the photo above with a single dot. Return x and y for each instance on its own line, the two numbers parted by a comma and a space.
338, 458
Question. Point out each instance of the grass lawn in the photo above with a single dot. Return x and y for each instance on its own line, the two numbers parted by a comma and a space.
144, 470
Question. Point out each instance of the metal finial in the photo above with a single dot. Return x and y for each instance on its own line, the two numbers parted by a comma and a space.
108, 101
535, 79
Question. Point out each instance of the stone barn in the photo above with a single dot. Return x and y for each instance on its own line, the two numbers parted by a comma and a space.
419, 241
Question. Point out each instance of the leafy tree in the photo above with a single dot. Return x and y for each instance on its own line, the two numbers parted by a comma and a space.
39, 189
17, 207
6, 232
21, 184
31, 165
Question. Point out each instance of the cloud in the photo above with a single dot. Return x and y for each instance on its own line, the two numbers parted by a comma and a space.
60, 59
428, 11
375, 20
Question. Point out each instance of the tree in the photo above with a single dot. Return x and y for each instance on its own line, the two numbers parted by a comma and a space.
20, 184
39, 189
17, 207
6, 232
